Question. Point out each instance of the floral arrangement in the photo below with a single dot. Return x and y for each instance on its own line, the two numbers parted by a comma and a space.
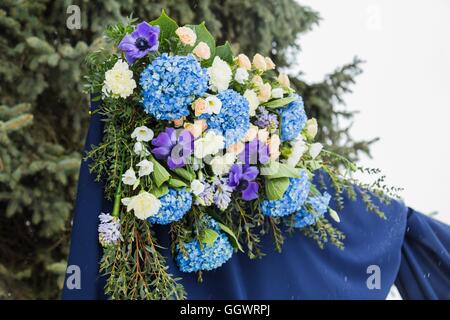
215, 146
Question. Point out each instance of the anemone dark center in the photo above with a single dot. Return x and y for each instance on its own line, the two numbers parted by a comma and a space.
141, 44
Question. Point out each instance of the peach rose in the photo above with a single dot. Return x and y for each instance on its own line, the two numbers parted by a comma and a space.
258, 81
274, 146
199, 106
196, 128
187, 35
263, 135
251, 133
259, 62
283, 79
236, 148
269, 63
244, 62
265, 92
178, 122
202, 51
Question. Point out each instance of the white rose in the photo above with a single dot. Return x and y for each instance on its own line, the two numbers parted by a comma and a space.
140, 149
253, 101
221, 165
277, 93
210, 144
241, 75
219, 75
129, 177
311, 128
197, 187
142, 134
145, 168
315, 149
144, 205
213, 105
119, 81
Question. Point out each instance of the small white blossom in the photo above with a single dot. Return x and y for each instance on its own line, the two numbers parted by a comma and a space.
143, 134
119, 81
221, 165
298, 149
219, 75
241, 75
140, 149
311, 128
277, 93
334, 215
197, 187
315, 149
145, 168
210, 144
129, 177
213, 104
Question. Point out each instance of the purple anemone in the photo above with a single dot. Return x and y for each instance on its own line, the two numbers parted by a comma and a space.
140, 42
175, 146
243, 178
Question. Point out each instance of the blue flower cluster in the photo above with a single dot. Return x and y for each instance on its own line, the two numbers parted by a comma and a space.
233, 120
205, 257
293, 119
319, 206
292, 200
170, 84
174, 206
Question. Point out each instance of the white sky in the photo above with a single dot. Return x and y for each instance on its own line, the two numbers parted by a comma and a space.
404, 93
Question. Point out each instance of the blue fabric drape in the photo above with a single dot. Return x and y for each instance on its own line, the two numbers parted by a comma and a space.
409, 248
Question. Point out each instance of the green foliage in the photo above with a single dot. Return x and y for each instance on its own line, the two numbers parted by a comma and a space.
44, 113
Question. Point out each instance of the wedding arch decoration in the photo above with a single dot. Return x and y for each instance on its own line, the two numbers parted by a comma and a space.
216, 146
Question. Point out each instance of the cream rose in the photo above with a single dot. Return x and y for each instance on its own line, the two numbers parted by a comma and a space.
187, 35
202, 51
144, 205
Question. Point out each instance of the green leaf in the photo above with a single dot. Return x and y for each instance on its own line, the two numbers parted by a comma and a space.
159, 191
203, 35
279, 102
279, 170
225, 52
167, 26
233, 239
160, 174
275, 188
186, 174
177, 183
208, 236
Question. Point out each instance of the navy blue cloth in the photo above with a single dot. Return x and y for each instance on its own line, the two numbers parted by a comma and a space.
409, 248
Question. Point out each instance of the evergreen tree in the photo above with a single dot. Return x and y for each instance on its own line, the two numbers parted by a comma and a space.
44, 114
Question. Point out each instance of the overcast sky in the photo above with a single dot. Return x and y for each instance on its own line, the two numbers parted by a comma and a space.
404, 93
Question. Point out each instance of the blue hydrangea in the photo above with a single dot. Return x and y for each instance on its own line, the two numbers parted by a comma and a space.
293, 119
292, 200
205, 257
174, 206
170, 84
319, 206
233, 120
